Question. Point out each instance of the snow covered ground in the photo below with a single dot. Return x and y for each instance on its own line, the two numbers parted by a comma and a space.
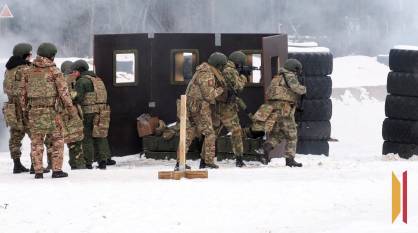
349, 191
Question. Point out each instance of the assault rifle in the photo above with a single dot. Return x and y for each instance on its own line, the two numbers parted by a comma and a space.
234, 96
246, 70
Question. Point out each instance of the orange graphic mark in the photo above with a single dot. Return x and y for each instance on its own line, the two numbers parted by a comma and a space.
396, 197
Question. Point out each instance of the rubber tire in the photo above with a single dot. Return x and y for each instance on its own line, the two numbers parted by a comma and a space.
404, 84
403, 150
312, 147
315, 110
318, 87
401, 107
314, 64
314, 130
400, 131
403, 60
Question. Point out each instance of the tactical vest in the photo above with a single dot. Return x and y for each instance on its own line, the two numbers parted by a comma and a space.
11, 83
41, 88
279, 90
93, 100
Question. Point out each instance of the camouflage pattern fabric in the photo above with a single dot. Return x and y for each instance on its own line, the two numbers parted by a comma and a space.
75, 150
201, 94
92, 147
44, 104
57, 153
285, 129
285, 86
12, 110
284, 105
15, 142
228, 111
92, 102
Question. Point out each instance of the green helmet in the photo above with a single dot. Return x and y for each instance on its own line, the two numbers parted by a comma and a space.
217, 60
293, 65
80, 65
22, 50
47, 50
238, 57
66, 67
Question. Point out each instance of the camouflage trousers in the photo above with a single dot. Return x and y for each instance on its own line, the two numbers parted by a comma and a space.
229, 118
93, 147
15, 142
75, 150
285, 128
57, 149
201, 124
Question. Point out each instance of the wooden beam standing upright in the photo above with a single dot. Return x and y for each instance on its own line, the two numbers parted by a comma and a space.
182, 142
181, 152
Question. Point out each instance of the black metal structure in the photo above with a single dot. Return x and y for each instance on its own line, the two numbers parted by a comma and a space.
154, 90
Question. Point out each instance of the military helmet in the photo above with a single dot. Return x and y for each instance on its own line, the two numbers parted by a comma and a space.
80, 65
22, 50
238, 58
217, 60
293, 65
66, 67
48, 50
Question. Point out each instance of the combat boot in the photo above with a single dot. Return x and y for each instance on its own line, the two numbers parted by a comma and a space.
177, 167
212, 166
102, 165
32, 170
59, 174
265, 158
290, 162
110, 162
202, 164
39, 176
89, 166
239, 162
18, 167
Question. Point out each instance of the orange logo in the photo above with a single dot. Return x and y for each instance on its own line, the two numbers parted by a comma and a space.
396, 197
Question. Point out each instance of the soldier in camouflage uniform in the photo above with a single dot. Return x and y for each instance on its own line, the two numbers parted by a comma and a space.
73, 127
282, 96
202, 92
12, 110
92, 96
44, 95
228, 108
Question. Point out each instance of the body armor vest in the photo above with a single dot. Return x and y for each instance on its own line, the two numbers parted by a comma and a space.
279, 90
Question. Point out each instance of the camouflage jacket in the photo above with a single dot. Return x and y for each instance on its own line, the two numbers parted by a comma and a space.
285, 87
83, 86
16, 67
34, 92
233, 78
204, 86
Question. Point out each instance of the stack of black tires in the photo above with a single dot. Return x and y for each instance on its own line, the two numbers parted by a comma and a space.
315, 110
400, 128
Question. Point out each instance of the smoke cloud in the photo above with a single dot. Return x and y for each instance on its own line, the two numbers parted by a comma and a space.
347, 27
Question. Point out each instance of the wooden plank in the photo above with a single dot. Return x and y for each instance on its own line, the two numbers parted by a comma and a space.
182, 141
199, 174
171, 175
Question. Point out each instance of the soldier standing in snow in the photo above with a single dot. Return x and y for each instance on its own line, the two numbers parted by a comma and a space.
92, 96
282, 96
12, 110
44, 95
228, 108
202, 92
